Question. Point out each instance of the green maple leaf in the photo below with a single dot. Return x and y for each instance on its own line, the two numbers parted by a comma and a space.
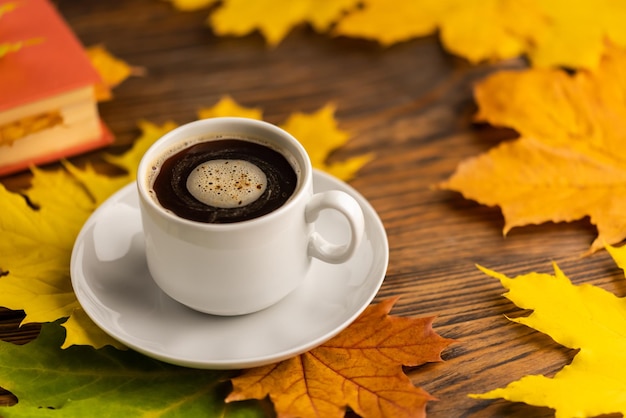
82, 381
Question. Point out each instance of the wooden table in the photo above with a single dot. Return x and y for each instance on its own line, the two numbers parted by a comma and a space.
411, 105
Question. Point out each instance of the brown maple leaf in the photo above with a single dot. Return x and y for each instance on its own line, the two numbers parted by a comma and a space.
360, 368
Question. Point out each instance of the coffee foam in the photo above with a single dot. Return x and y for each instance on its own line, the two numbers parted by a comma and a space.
190, 141
226, 183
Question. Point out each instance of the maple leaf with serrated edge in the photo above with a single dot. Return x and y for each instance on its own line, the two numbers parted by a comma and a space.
275, 18
226, 106
37, 243
82, 382
550, 33
476, 30
360, 368
392, 22
319, 134
584, 317
191, 5
150, 132
113, 71
569, 160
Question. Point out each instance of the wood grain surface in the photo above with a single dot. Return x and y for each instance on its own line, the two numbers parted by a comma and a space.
411, 105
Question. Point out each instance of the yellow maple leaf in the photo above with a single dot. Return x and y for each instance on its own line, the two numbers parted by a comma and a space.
389, 22
37, 243
491, 30
229, 107
551, 33
274, 19
191, 5
361, 368
150, 132
99, 187
319, 134
80, 330
586, 318
618, 255
568, 162
112, 70
576, 32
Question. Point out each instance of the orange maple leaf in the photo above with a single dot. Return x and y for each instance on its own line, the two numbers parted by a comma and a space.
360, 368
112, 70
569, 160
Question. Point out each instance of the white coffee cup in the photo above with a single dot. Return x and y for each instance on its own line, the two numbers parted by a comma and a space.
241, 267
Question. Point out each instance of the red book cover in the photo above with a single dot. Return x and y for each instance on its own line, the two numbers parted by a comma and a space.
51, 62
54, 62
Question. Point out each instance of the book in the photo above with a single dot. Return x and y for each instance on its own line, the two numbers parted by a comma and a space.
48, 109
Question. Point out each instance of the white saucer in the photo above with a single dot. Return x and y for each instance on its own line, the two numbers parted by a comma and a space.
113, 285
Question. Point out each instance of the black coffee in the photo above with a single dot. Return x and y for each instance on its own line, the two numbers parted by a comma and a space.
224, 181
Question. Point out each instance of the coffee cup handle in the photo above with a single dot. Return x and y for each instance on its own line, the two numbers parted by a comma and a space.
321, 248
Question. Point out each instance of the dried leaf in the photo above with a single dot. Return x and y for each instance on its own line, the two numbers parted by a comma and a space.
568, 162
320, 136
81, 331
361, 368
149, 134
112, 70
37, 244
476, 30
191, 5
274, 19
586, 318
551, 33
576, 34
392, 22
28, 125
618, 255
317, 132
228, 107
98, 187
